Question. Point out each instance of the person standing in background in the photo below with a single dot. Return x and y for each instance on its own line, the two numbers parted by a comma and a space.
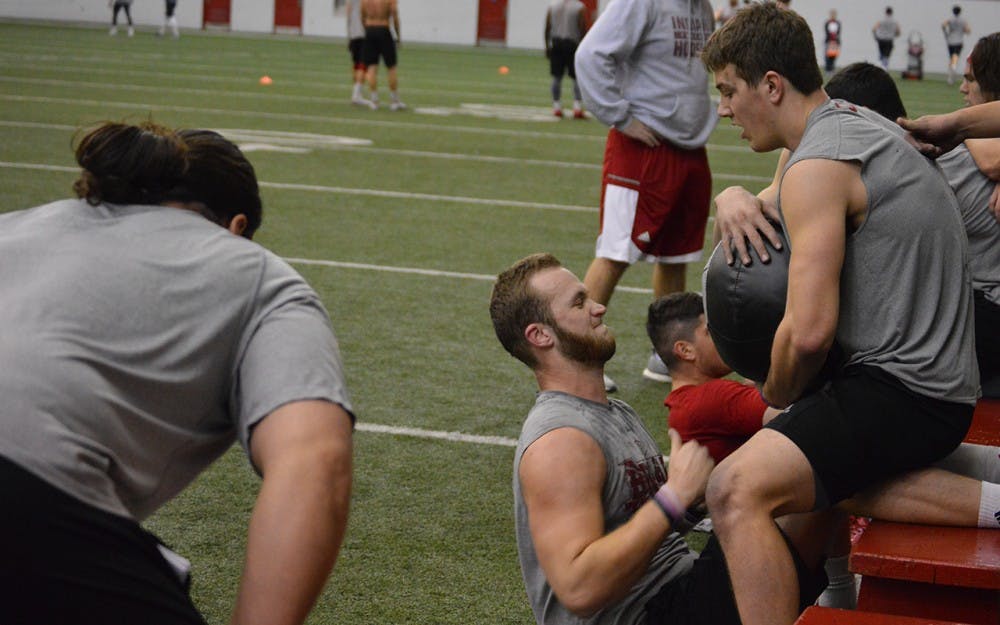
885, 31
116, 6
379, 43
169, 21
955, 29
356, 45
639, 73
832, 30
565, 24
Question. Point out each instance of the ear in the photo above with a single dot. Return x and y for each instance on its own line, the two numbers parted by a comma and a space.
539, 335
684, 350
774, 85
237, 224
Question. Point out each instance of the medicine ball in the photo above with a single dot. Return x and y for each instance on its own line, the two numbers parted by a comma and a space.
744, 305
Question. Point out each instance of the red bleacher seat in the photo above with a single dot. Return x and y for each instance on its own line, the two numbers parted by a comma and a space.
829, 616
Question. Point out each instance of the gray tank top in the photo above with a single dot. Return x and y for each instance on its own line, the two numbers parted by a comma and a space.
954, 31
565, 19
906, 292
886, 29
973, 189
634, 472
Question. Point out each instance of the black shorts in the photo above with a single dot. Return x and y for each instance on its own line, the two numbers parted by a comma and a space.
705, 597
561, 58
357, 47
955, 50
171, 5
65, 562
379, 43
987, 316
864, 426
884, 47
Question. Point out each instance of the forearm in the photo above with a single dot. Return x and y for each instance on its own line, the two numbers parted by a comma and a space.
793, 367
607, 569
986, 154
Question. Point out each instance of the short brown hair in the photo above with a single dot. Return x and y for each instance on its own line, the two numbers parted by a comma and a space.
985, 63
673, 318
514, 305
762, 38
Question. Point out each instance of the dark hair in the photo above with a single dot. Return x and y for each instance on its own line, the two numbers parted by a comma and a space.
867, 85
673, 318
888, 10
148, 163
128, 164
514, 305
985, 62
219, 176
956, 9
763, 38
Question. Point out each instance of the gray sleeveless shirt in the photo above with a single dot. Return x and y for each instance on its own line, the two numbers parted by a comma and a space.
565, 19
905, 287
973, 189
634, 472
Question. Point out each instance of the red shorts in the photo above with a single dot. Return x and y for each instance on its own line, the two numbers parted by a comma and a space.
654, 202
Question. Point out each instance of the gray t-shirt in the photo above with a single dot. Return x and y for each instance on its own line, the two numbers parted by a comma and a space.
973, 189
355, 29
138, 342
634, 472
954, 31
564, 17
905, 287
887, 29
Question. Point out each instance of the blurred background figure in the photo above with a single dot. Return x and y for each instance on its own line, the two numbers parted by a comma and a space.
565, 25
885, 31
955, 29
831, 40
116, 6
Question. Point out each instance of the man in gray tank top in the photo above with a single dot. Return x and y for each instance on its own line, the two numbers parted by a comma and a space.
598, 519
879, 264
565, 24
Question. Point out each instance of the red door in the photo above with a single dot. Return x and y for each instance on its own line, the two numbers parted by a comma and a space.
492, 21
216, 13
288, 15
591, 10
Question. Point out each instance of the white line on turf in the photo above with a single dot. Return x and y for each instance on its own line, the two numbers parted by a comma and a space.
449, 436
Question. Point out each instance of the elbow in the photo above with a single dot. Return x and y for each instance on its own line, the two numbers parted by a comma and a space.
813, 342
580, 603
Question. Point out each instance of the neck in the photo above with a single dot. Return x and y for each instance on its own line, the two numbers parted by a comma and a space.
586, 382
687, 375
799, 116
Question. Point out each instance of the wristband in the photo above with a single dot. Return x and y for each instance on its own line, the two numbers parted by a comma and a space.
670, 505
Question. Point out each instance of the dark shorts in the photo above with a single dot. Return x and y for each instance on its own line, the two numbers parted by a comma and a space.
884, 47
171, 5
987, 315
357, 47
561, 58
379, 43
864, 426
66, 562
955, 50
705, 596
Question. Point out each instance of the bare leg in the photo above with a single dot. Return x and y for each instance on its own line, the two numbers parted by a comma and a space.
767, 477
602, 277
929, 496
393, 79
668, 278
373, 78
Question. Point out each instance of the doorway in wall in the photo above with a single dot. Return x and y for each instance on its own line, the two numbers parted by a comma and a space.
591, 10
216, 14
288, 16
492, 22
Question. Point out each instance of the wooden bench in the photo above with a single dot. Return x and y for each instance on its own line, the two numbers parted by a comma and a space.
829, 616
930, 572
985, 428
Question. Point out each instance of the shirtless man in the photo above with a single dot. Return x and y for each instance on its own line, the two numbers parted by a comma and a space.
375, 15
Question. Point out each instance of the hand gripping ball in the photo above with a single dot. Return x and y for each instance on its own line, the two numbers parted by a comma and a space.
744, 305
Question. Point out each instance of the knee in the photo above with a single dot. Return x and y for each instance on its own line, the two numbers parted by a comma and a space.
731, 496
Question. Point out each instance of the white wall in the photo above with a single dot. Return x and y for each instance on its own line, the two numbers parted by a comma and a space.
455, 21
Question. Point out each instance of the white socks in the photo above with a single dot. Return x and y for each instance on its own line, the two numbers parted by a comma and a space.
989, 506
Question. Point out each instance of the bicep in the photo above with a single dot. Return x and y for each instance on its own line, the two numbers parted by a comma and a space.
986, 154
301, 431
562, 477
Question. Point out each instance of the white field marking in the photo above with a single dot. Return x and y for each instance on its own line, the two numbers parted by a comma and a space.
502, 441
267, 147
232, 132
434, 273
293, 139
506, 112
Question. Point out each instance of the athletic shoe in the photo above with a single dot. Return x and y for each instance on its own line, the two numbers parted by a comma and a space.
609, 384
579, 114
372, 104
113, 31
558, 113
655, 370
359, 101
131, 31
397, 106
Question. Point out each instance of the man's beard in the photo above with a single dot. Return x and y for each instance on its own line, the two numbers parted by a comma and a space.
595, 350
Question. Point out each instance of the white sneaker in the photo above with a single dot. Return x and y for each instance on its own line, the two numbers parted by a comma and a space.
397, 106
656, 371
131, 31
359, 101
113, 31
609, 384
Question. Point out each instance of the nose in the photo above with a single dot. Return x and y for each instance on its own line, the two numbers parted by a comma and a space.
723, 110
598, 310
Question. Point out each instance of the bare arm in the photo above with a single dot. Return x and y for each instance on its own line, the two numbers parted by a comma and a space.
303, 450
548, 33
395, 22
562, 476
741, 217
816, 195
936, 134
986, 153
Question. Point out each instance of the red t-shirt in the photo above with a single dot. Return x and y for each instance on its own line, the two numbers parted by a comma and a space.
721, 414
